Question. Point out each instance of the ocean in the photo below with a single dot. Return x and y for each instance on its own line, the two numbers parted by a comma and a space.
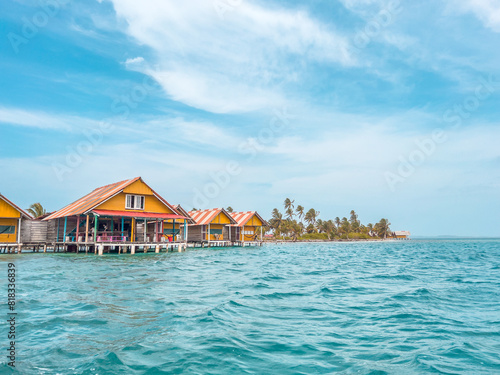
399, 307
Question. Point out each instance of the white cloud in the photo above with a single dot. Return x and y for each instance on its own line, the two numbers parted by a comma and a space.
43, 120
134, 62
230, 63
488, 11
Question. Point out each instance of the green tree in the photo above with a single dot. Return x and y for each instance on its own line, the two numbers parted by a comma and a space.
276, 222
36, 210
353, 220
288, 204
337, 222
300, 212
289, 213
345, 226
311, 216
383, 228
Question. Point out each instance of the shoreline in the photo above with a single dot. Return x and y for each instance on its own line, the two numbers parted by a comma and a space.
336, 240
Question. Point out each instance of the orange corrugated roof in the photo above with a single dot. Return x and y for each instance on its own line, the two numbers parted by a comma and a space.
97, 197
205, 217
183, 212
16, 207
243, 217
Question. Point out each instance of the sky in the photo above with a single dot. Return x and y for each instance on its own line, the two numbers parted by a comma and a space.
387, 107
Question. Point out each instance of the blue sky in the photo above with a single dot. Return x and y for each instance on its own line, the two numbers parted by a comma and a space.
390, 108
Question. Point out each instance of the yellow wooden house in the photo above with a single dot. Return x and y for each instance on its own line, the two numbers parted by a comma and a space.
210, 225
249, 226
11, 218
124, 212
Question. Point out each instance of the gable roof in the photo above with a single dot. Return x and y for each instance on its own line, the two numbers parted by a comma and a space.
23, 213
98, 196
204, 217
183, 212
244, 217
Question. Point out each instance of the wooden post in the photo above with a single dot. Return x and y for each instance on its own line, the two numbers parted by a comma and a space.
77, 231
132, 234
185, 231
65, 226
173, 231
132, 250
45, 248
209, 235
101, 250
96, 227
243, 234
157, 249
261, 230
87, 231
123, 223
145, 229
19, 230
179, 248
57, 239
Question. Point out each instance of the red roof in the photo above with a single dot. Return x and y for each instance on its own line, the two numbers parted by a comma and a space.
98, 196
244, 217
204, 217
16, 207
145, 215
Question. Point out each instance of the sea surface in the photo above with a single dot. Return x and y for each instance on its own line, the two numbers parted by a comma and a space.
407, 307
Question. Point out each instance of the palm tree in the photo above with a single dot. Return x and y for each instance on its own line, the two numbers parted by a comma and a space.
354, 221
369, 227
320, 224
383, 228
311, 216
288, 204
300, 212
276, 222
337, 222
36, 210
329, 228
289, 213
346, 226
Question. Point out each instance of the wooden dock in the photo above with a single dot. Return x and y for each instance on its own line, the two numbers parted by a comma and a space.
116, 248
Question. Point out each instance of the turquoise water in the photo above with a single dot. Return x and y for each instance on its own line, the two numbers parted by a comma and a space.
413, 307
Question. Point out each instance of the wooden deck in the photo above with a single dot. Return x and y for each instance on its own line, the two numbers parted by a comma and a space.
101, 248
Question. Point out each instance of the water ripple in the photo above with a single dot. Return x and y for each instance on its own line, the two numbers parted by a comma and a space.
412, 307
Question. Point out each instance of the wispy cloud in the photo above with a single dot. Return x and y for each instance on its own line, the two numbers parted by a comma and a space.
488, 11
234, 64
43, 120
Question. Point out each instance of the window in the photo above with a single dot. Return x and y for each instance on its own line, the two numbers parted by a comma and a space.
134, 202
7, 229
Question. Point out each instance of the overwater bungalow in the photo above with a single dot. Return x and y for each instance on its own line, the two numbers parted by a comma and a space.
249, 226
210, 226
172, 229
126, 212
12, 218
401, 235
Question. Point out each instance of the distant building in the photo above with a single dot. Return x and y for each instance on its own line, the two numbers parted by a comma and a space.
210, 225
402, 235
249, 226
